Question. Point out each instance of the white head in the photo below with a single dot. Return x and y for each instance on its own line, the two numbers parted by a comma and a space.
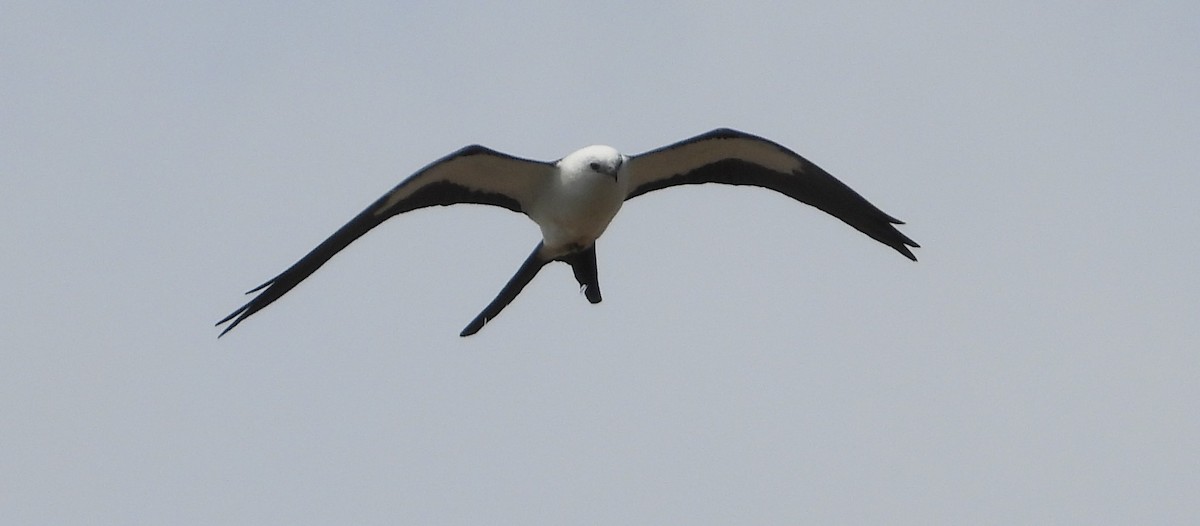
594, 160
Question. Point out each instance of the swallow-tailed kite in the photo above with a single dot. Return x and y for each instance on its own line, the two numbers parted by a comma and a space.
573, 199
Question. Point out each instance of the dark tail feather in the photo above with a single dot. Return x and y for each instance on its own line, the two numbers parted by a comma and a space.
524, 275
583, 263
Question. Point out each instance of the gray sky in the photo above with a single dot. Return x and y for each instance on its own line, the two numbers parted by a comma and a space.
754, 360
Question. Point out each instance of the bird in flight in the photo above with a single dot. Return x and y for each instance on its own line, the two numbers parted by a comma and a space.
573, 200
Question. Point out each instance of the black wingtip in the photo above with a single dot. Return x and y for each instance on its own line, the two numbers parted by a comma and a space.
904, 243
229, 317
227, 329
237, 316
263, 286
900, 243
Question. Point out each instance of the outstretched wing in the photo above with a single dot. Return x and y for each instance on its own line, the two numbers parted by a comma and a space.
471, 175
731, 157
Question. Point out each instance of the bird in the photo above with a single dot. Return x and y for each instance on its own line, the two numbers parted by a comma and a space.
574, 199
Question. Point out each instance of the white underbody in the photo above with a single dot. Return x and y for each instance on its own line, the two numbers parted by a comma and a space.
574, 208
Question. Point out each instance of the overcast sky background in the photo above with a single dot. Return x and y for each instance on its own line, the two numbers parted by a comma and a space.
754, 360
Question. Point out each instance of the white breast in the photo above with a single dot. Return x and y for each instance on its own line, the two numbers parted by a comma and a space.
574, 211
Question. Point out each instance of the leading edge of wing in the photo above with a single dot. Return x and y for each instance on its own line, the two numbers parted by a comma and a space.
474, 174
726, 156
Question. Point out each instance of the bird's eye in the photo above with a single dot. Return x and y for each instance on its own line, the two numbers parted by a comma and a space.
594, 166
